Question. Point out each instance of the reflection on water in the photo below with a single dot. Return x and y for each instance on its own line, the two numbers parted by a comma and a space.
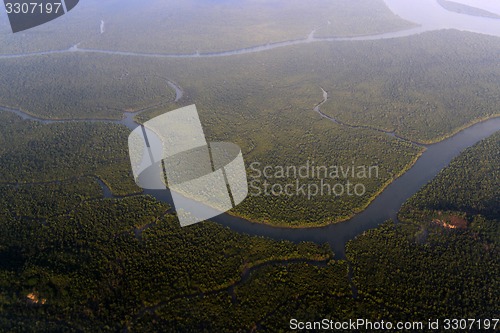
492, 6
427, 13
384, 207
431, 16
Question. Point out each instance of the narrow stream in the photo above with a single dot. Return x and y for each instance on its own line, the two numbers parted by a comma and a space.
387, 204
383, 208
427, 14
128, 118
254, 49
317, 108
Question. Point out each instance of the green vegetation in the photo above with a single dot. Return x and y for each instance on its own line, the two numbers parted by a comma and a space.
263, 102
173, 26
106, 265
100, 265
79, 86
71, 260
263, 303
424, 88
469, 188
176, 28
449, 275
33, 153
422, 268
42, 201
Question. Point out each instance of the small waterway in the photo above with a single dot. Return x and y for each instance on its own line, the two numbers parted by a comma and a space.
317, 109
384, 207
427, 14
430, 17
128, 118
249, 50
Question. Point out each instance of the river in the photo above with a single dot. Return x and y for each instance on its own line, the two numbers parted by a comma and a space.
384, 207
429, 16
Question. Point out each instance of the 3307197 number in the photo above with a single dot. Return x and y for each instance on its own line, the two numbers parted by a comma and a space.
471, 324
33, 8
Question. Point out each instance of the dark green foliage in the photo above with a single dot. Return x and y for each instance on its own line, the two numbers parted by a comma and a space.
32, 153
452, 274
420, 268
79, 86
41, 201
267, 301
113, 264
263, 102
471, 184
99, 265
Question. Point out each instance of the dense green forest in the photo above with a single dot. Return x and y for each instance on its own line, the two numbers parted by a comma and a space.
72, 261
469, 188
79, 87
264, 102
423, 88
420, 267
98, 265
31, 152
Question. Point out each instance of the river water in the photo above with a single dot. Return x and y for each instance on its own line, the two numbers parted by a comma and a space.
384, 207
429, 16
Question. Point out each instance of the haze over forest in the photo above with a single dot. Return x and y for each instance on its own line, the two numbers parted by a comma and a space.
408, 88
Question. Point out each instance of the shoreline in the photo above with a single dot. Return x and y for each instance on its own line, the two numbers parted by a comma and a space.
335, 221
282, 224
125, 114
459, 129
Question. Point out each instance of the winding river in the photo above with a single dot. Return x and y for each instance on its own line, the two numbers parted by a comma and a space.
384, 207
429, 16
127, 117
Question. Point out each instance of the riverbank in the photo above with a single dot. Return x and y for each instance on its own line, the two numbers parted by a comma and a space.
326, 223
460, 129
321, 224
432, 158
127, 116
